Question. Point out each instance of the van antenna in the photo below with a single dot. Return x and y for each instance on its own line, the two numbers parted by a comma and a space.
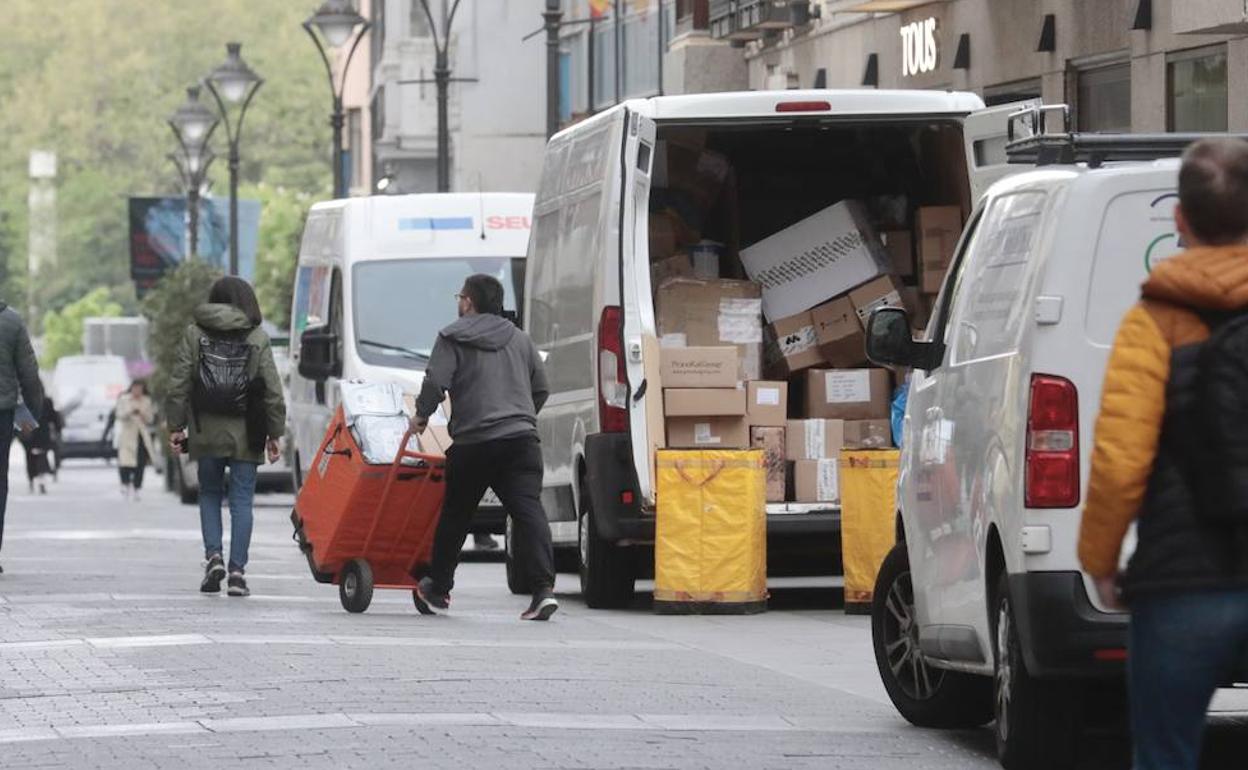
481, 204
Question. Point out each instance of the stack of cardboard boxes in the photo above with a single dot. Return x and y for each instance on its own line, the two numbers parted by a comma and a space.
778, 362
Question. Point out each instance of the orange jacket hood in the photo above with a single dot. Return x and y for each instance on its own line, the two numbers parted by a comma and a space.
1205, 278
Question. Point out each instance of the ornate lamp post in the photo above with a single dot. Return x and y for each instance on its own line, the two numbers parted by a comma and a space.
193, 124
337, 22
234, 82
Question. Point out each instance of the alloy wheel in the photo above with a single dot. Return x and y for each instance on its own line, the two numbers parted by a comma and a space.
916, 678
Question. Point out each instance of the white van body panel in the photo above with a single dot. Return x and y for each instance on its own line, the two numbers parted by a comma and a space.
342, 235
1089, 236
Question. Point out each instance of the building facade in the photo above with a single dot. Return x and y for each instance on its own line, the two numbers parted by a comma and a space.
497, 97
1138, 65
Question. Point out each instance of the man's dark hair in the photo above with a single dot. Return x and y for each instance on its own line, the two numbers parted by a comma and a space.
486, 293
232, 290
1213, 190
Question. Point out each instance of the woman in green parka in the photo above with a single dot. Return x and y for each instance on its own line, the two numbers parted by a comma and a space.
217, 440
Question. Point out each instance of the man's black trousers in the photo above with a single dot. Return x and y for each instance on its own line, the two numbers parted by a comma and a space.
513, 469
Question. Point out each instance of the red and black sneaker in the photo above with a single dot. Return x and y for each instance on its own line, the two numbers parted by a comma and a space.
542, 607
429, 600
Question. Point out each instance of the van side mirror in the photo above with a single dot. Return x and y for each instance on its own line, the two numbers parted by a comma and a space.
890, 342
318, 354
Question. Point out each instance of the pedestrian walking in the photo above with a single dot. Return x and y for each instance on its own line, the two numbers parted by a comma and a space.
19, 375
133, 419
1171, 455
497, 386
39, 443
225, 408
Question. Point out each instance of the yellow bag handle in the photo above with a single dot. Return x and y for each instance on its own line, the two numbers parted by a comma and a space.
716, 463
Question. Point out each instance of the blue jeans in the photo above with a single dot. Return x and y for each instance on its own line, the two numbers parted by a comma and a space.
242, 494
1182, 648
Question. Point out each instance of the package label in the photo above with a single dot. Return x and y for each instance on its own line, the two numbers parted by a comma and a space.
847, 387
827, 481
740, 320
816, 439
702, 434
892, 299
767, 397
676, 340
797, 342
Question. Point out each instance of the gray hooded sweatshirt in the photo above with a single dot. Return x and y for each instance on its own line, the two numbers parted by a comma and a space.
494, 375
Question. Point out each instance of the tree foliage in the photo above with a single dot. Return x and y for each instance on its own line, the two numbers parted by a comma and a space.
169, 308
281, 227
95, 81
62, 330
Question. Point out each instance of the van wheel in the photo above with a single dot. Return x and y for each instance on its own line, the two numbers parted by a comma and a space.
1037, 721
608, 573
515, 581
926, 696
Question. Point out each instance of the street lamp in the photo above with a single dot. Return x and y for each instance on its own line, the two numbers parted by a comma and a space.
442, 77
233, 81
193, 124
337, 21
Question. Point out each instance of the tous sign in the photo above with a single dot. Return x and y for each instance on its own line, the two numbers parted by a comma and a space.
919, 53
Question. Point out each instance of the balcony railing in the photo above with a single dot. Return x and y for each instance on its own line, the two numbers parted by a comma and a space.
753, 19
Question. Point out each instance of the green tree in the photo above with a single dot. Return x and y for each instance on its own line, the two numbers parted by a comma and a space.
281, 226
169, 308
62, 330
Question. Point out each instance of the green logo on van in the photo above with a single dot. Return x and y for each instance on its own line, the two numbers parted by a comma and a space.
1152, 256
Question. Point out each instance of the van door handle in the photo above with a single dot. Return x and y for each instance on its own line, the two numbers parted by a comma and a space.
634, 351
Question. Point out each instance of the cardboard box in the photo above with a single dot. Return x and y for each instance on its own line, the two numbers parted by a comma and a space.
900, 247
693, 313
816, 481
791, 345
881, 292
849, 394
938, 229
839, 333
767, 403
707, 433
813, 439
669, 233
868, 434
823, 255
664, 270
704, 402
771, 440
701, 367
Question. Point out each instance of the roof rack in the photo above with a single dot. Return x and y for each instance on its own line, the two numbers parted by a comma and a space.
1031, 141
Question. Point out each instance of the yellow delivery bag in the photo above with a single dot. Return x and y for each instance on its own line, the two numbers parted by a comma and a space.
710, 549
868, 512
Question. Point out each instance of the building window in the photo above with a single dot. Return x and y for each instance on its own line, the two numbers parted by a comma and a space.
1196, 90
355, 147
1103, 98
378, 116
1006, 93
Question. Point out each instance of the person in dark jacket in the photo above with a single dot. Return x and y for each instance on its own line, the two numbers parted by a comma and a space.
39, 445
220, 441
19, 376
1187, 581
497, 386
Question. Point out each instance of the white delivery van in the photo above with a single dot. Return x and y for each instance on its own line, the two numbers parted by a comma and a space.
981, 611
376, 281
588, 298
85, 391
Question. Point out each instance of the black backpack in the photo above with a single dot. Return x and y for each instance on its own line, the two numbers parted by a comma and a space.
1221, 463
222, 384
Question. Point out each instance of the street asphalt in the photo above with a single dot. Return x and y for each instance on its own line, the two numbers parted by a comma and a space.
111, 658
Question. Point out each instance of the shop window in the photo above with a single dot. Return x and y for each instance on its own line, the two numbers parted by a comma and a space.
1103, 98
1196, 90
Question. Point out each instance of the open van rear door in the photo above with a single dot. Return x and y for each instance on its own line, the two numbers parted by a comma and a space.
639, 324
986, 133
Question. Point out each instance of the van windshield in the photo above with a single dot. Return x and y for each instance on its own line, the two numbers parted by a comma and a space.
401, 304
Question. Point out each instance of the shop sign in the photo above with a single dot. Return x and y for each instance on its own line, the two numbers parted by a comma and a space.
919, 51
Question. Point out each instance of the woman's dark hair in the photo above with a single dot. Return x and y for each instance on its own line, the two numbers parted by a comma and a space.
485, 292
231, 290
142, 383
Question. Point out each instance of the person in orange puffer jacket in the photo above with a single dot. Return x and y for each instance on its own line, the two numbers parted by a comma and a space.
1187, 581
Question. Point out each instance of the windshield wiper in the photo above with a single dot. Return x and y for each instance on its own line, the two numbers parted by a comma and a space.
416, 354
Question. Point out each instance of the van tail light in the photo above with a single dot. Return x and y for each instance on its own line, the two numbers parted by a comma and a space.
612, 379
1052, 443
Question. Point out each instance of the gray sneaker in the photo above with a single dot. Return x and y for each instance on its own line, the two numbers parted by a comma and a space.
214, 573
542, 607
237, 585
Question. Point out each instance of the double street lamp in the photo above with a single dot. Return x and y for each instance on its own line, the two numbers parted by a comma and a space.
193, 124
337, 21
233, 82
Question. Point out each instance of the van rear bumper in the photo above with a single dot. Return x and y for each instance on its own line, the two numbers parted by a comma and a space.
611, 479
1061, 633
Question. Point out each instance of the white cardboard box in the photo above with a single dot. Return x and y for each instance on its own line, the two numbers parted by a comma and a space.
823, 256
